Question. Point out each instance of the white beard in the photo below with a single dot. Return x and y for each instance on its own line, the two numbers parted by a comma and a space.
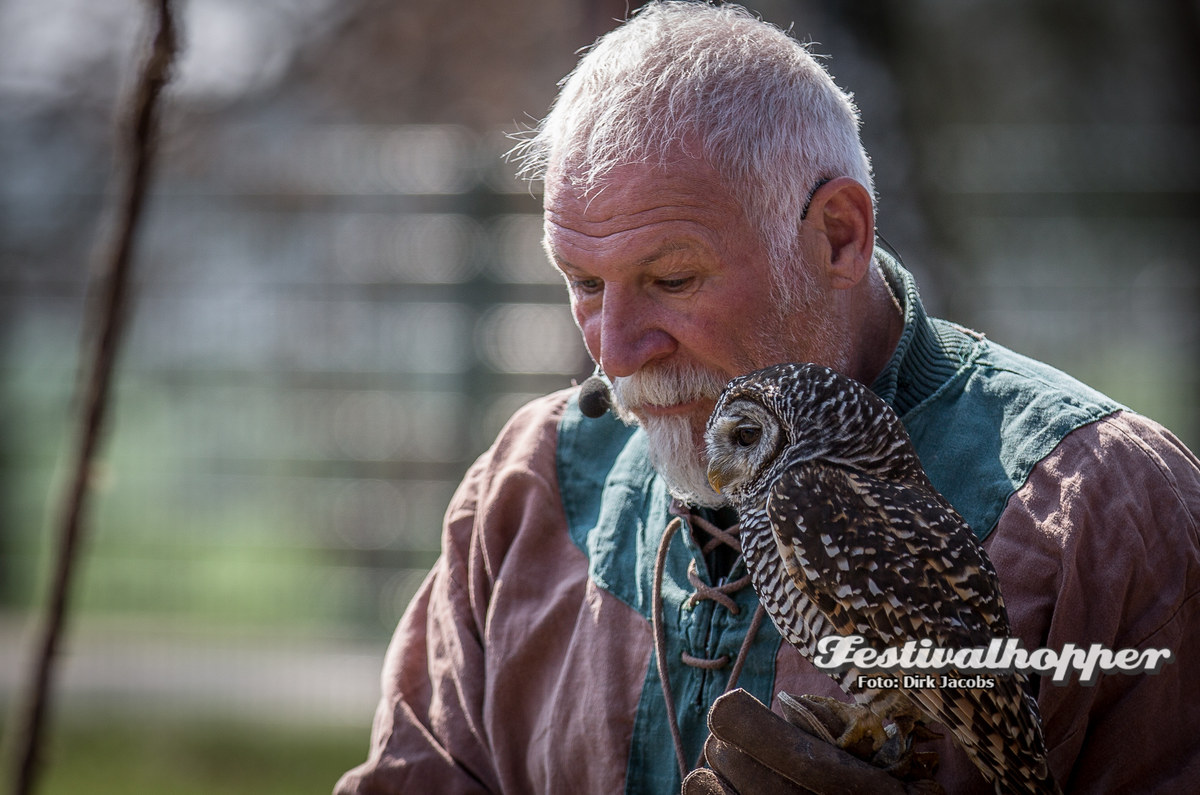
674, 446
673, 454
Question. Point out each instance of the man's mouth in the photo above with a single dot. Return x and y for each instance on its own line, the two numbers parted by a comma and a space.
673, 410
697, 409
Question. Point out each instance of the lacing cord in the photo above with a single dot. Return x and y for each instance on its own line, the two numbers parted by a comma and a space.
721, 594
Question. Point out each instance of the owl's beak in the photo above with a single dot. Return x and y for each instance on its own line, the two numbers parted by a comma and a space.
716, 480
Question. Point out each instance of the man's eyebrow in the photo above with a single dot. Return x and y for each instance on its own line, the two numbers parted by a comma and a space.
662, 252
561, 263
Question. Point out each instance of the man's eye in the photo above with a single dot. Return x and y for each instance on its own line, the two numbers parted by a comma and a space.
587, 286
747, 435
676, 284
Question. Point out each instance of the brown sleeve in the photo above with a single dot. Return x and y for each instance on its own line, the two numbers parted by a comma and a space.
1100, 545
430, 731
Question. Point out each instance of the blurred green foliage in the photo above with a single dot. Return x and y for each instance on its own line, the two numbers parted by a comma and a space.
179, 757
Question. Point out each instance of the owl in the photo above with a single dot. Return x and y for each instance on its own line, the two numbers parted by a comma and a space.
843, 533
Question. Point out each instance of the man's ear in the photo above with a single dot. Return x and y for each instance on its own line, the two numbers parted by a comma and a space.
841, 211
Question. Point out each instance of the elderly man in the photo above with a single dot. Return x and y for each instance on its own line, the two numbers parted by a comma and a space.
710, 206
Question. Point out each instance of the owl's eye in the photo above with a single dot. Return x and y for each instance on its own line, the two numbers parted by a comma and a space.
747, 435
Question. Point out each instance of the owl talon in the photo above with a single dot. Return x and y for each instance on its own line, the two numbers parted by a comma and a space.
860, 732
851, 727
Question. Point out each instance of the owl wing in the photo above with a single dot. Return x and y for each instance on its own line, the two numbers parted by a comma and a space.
886, 561
895, 563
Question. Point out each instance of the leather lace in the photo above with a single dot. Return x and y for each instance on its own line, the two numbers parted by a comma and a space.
722, 594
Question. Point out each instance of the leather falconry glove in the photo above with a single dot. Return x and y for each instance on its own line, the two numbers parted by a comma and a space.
752, 750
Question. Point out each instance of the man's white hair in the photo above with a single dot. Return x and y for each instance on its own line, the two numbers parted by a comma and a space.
712, 82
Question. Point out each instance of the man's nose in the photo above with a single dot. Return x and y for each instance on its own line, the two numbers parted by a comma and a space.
631, 334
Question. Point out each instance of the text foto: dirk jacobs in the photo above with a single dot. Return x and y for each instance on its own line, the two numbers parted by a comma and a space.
921, 681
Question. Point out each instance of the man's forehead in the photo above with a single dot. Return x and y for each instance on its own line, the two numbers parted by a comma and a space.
660, 232
631, 182
637, 197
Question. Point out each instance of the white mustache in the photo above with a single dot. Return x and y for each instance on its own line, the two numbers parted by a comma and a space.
666, 386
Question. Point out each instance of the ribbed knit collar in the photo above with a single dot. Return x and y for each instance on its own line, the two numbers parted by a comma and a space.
929, 352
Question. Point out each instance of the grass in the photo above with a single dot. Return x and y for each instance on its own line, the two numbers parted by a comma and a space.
175, 757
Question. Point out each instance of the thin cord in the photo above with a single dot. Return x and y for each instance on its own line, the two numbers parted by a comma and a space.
660, 642
744, 652
660, 647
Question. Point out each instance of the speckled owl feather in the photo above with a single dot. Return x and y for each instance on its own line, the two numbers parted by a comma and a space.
843, 533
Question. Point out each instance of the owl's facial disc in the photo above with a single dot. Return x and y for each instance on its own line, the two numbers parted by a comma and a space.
741, 439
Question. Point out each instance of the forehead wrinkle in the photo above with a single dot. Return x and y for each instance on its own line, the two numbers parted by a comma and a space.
564, 218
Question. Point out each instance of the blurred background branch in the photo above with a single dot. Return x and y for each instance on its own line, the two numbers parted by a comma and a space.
98, 356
